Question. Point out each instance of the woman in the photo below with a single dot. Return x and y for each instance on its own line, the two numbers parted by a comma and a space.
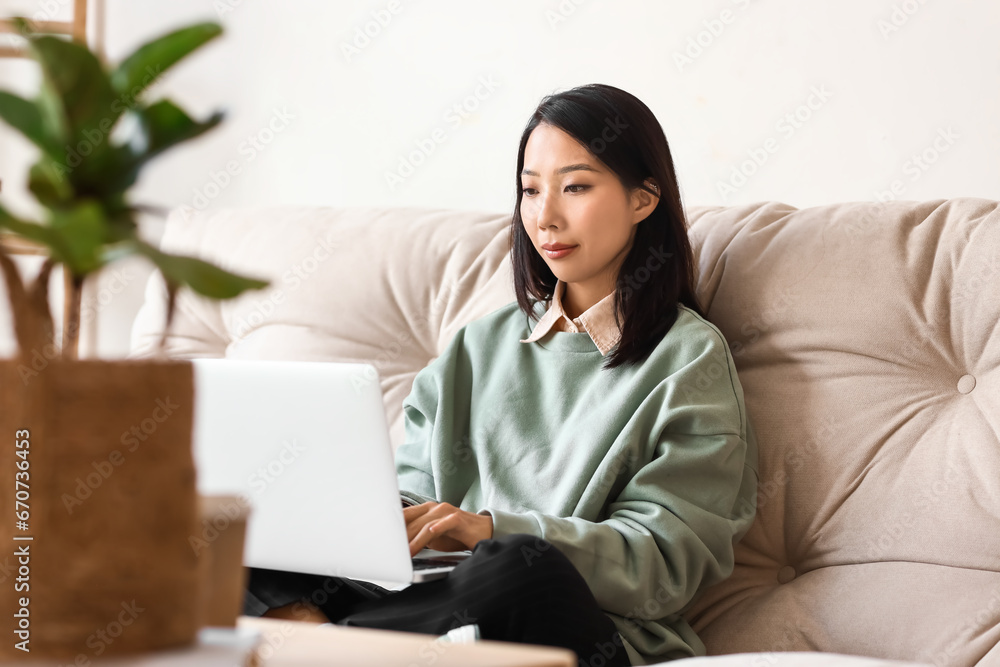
589, 442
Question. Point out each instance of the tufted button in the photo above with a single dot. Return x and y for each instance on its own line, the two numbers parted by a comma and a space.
966, 383
786, 574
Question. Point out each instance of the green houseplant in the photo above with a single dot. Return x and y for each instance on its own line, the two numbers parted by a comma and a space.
103, 528
84, 170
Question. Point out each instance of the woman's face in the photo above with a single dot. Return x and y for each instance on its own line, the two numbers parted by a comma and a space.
571, 198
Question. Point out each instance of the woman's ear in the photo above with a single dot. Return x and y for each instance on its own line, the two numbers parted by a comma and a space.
645, 202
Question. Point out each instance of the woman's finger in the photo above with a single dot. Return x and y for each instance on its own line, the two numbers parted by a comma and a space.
435, 524
451, 531
433, 514
414, 511
443, 525
414, 527
417, 521
420, 540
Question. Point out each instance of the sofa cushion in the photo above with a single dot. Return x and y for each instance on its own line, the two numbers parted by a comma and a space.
867, 341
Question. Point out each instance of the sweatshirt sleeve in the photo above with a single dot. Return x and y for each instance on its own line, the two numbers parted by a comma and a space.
429, 397
413, 457
672, 528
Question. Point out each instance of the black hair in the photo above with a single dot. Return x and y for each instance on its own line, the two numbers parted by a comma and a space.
646, 299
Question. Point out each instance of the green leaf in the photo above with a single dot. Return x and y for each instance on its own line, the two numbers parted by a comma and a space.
49, 185
29, 230
82, 229
54, 121
106, 174
149, 61
202, 277
72, 74
160, 127
26, 118
166, 124
108, 171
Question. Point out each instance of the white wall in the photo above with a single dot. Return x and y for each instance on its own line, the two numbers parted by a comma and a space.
902, 81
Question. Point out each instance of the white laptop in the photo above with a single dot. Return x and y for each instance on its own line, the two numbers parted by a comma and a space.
307, 444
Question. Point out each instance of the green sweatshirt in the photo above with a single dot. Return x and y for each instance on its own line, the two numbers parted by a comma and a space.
643, 477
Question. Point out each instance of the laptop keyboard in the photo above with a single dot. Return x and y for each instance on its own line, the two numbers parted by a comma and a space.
440, 561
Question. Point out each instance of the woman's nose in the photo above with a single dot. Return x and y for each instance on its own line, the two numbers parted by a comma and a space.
546, 212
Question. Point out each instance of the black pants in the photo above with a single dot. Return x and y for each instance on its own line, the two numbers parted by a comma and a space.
516, 588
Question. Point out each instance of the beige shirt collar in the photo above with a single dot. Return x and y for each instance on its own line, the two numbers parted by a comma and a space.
598, 321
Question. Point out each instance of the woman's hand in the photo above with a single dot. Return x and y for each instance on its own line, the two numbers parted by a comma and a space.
444, 527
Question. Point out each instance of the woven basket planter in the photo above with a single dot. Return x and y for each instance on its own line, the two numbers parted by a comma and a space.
111, 504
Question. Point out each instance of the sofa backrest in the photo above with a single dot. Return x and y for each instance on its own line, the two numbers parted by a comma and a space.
867, 340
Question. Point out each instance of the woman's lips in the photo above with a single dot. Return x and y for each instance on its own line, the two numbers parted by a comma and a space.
556, 254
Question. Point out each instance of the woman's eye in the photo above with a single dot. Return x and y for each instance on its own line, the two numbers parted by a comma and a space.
529, 192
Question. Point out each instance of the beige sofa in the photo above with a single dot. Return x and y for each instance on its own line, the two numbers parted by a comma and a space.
867, 341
